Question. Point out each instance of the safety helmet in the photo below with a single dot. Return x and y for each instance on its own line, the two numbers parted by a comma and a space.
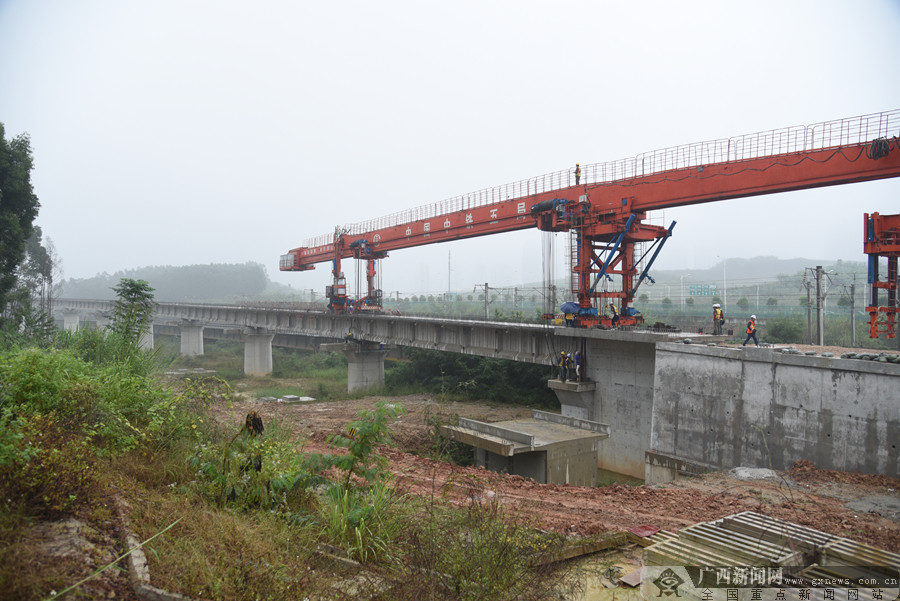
716, 305
753, 317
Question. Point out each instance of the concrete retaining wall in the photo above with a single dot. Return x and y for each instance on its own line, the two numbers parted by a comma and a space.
757, 407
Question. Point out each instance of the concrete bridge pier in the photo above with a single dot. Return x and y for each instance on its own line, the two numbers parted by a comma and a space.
146, 341
365, 368
257, 351
365, 363
191, 337
71, 319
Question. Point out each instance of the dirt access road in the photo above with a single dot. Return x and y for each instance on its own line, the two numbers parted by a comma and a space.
865, 508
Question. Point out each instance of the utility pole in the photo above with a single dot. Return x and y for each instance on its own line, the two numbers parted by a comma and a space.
820, 308
853, 312
808, 308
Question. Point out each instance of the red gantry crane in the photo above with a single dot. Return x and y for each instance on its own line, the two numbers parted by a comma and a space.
882, 239
605, 212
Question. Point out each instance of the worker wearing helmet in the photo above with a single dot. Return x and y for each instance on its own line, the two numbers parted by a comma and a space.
718, 319
562, 362
751, 331
614, 314
577, 173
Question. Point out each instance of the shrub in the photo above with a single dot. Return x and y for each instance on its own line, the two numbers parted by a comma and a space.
43, 466
249, 471
362, 435
475, 553
785, 330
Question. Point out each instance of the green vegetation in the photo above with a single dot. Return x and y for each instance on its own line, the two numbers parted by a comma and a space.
231, 511
469, 377
23, 269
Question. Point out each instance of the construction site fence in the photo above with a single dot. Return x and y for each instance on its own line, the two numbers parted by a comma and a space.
851, 131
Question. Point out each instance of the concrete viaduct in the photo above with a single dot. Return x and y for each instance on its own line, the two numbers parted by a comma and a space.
670, 407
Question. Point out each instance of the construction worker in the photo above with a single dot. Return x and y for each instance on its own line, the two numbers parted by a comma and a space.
569, 366
577, 173
718, 319
578, 366
561, 362
614, 314
751, 331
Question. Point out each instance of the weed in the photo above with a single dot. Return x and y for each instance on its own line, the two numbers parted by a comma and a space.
361, 521
362, 435
45, 467
439, 446
249, 471
218, 554
475, 553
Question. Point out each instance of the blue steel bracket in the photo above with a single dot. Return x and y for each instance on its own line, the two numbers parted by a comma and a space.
644, 273
612, 252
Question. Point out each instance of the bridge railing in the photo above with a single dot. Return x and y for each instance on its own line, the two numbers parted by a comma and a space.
829, 134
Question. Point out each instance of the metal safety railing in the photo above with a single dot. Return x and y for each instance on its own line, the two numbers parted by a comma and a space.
820, 136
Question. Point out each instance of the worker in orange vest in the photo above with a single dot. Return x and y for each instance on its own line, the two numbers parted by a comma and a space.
718, 319
751, 331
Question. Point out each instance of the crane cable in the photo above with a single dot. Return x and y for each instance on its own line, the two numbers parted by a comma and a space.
881, 147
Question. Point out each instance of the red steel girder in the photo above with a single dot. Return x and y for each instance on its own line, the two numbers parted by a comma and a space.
739, 179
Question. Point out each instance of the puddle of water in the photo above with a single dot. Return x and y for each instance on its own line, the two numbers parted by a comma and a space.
595, 575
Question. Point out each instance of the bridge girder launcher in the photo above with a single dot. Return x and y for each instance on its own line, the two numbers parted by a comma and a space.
605, 212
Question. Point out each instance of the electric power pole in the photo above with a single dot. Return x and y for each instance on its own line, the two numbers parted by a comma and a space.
820, 308
808, 308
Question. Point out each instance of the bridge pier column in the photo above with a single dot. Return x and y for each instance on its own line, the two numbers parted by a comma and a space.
191, 338
71, 319
257, 352
146, 341
365, 369
365, 363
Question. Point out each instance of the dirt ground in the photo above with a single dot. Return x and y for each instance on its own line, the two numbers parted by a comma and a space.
865, 508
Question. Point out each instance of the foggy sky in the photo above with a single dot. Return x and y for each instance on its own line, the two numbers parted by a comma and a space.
191, 132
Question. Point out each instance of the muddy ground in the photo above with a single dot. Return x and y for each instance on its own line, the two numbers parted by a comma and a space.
865, 508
